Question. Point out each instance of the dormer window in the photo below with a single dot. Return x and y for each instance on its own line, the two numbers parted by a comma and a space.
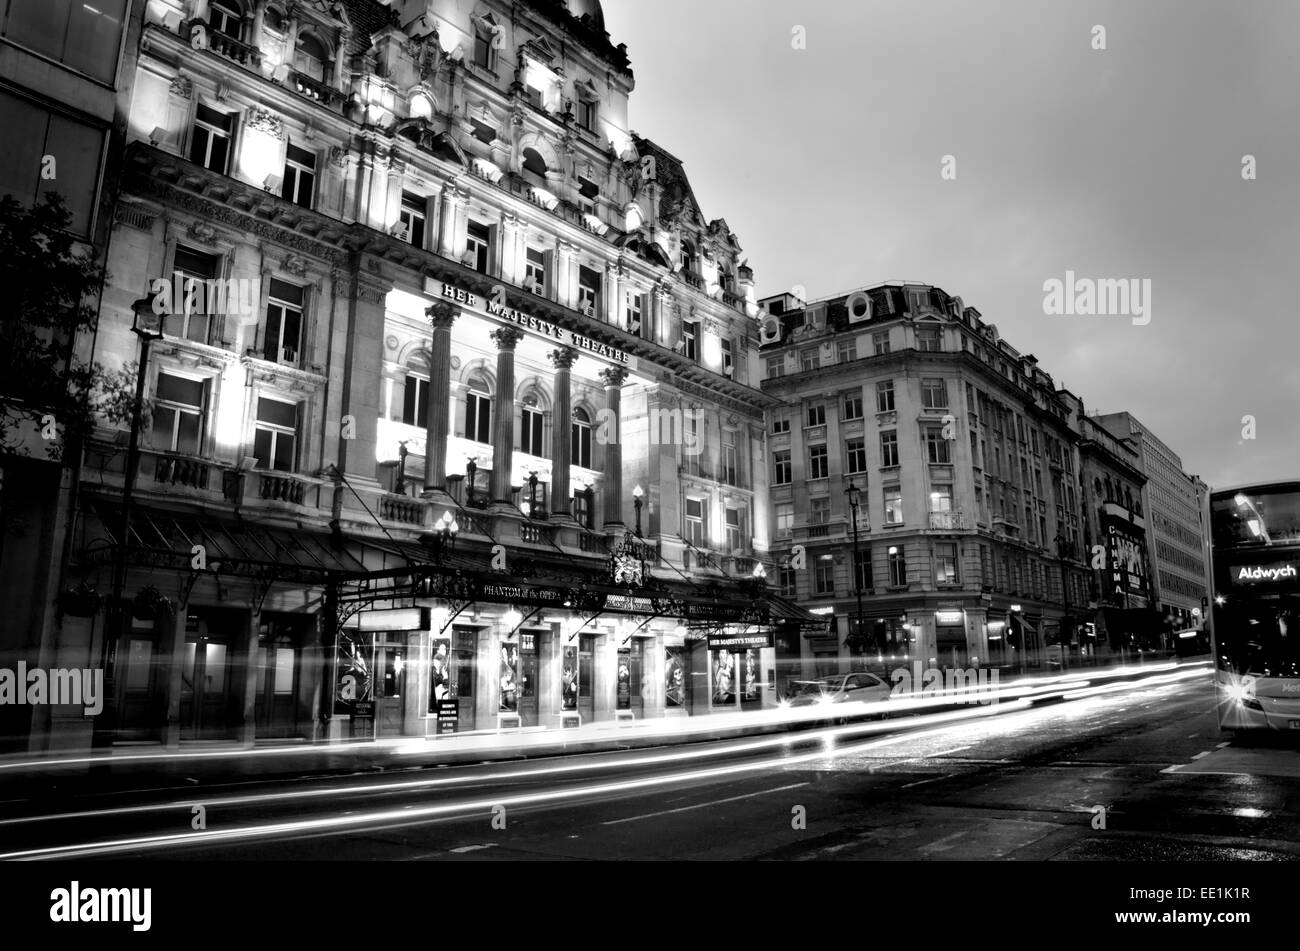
310, 58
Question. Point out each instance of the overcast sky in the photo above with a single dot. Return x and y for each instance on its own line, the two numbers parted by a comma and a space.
1122, 163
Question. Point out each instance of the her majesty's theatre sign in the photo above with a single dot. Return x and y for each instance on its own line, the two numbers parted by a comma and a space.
528, 322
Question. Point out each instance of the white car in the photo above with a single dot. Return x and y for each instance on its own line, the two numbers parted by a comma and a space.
861, 687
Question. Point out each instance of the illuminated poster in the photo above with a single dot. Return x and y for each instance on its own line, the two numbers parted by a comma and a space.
1126, 553
624, 679
354, 681
675, 676
440, 682
509, 678
569, 680
750, 677
724, 677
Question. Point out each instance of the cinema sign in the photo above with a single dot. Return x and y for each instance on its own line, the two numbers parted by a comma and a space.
526, 321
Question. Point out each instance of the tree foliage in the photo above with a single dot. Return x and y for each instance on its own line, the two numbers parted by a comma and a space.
51, 282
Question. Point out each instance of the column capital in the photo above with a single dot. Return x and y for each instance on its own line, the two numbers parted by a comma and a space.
564, 358
506, 338
614, 376
442, 315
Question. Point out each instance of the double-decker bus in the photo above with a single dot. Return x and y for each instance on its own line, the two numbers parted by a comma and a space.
1255, 605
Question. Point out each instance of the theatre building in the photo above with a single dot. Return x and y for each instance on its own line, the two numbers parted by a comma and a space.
453, 409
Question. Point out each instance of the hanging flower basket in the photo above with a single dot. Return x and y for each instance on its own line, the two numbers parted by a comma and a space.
150, 604
81, 601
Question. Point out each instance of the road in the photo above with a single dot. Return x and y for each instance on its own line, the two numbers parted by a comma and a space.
1139, 773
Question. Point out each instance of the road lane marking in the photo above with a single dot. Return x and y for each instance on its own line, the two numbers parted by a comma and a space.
472, 848
922, 782
1205, 753
702, 805
939, 845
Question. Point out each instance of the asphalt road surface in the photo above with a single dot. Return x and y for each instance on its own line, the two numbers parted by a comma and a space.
1139, 773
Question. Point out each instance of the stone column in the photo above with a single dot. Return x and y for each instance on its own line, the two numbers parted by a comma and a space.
340, 57
561, 432
441, 315
614, 378
503, 425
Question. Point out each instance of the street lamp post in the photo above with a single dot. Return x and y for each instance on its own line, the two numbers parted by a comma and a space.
471, 467
443, 537
637, 493
147, 325
853, 493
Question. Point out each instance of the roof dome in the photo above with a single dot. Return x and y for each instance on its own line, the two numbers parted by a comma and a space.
580, 7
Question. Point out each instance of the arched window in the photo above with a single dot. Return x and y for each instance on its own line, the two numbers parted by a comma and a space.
531, 426
478, 411
225, 17
580, 449
415, 393
688, 257
534, 163
310, 58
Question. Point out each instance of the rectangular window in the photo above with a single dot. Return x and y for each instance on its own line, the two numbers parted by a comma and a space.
941, 499
730, 466
818, 464
587, 115
727, 367
484, 55
809, 360
862, 580
635, 312
299, 176
885, 397
780, 424
880, 341
478, 241
178, 414
415, 401
283, 337
478, 418
824, 579
816, 414
581, 508
535, 271
580, 438
788, 580
929, 339
938, 449
735, 522
897, 566
276, 434
413, 218
588, 291
695, 522
853, 405
945, 563
775, 367
934, 394
32, 132
83, 36
210, 143
820, 511
781, 466
784, 519
690, 336
193, 269
889, 447
893, 505
855, 456
848, 351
